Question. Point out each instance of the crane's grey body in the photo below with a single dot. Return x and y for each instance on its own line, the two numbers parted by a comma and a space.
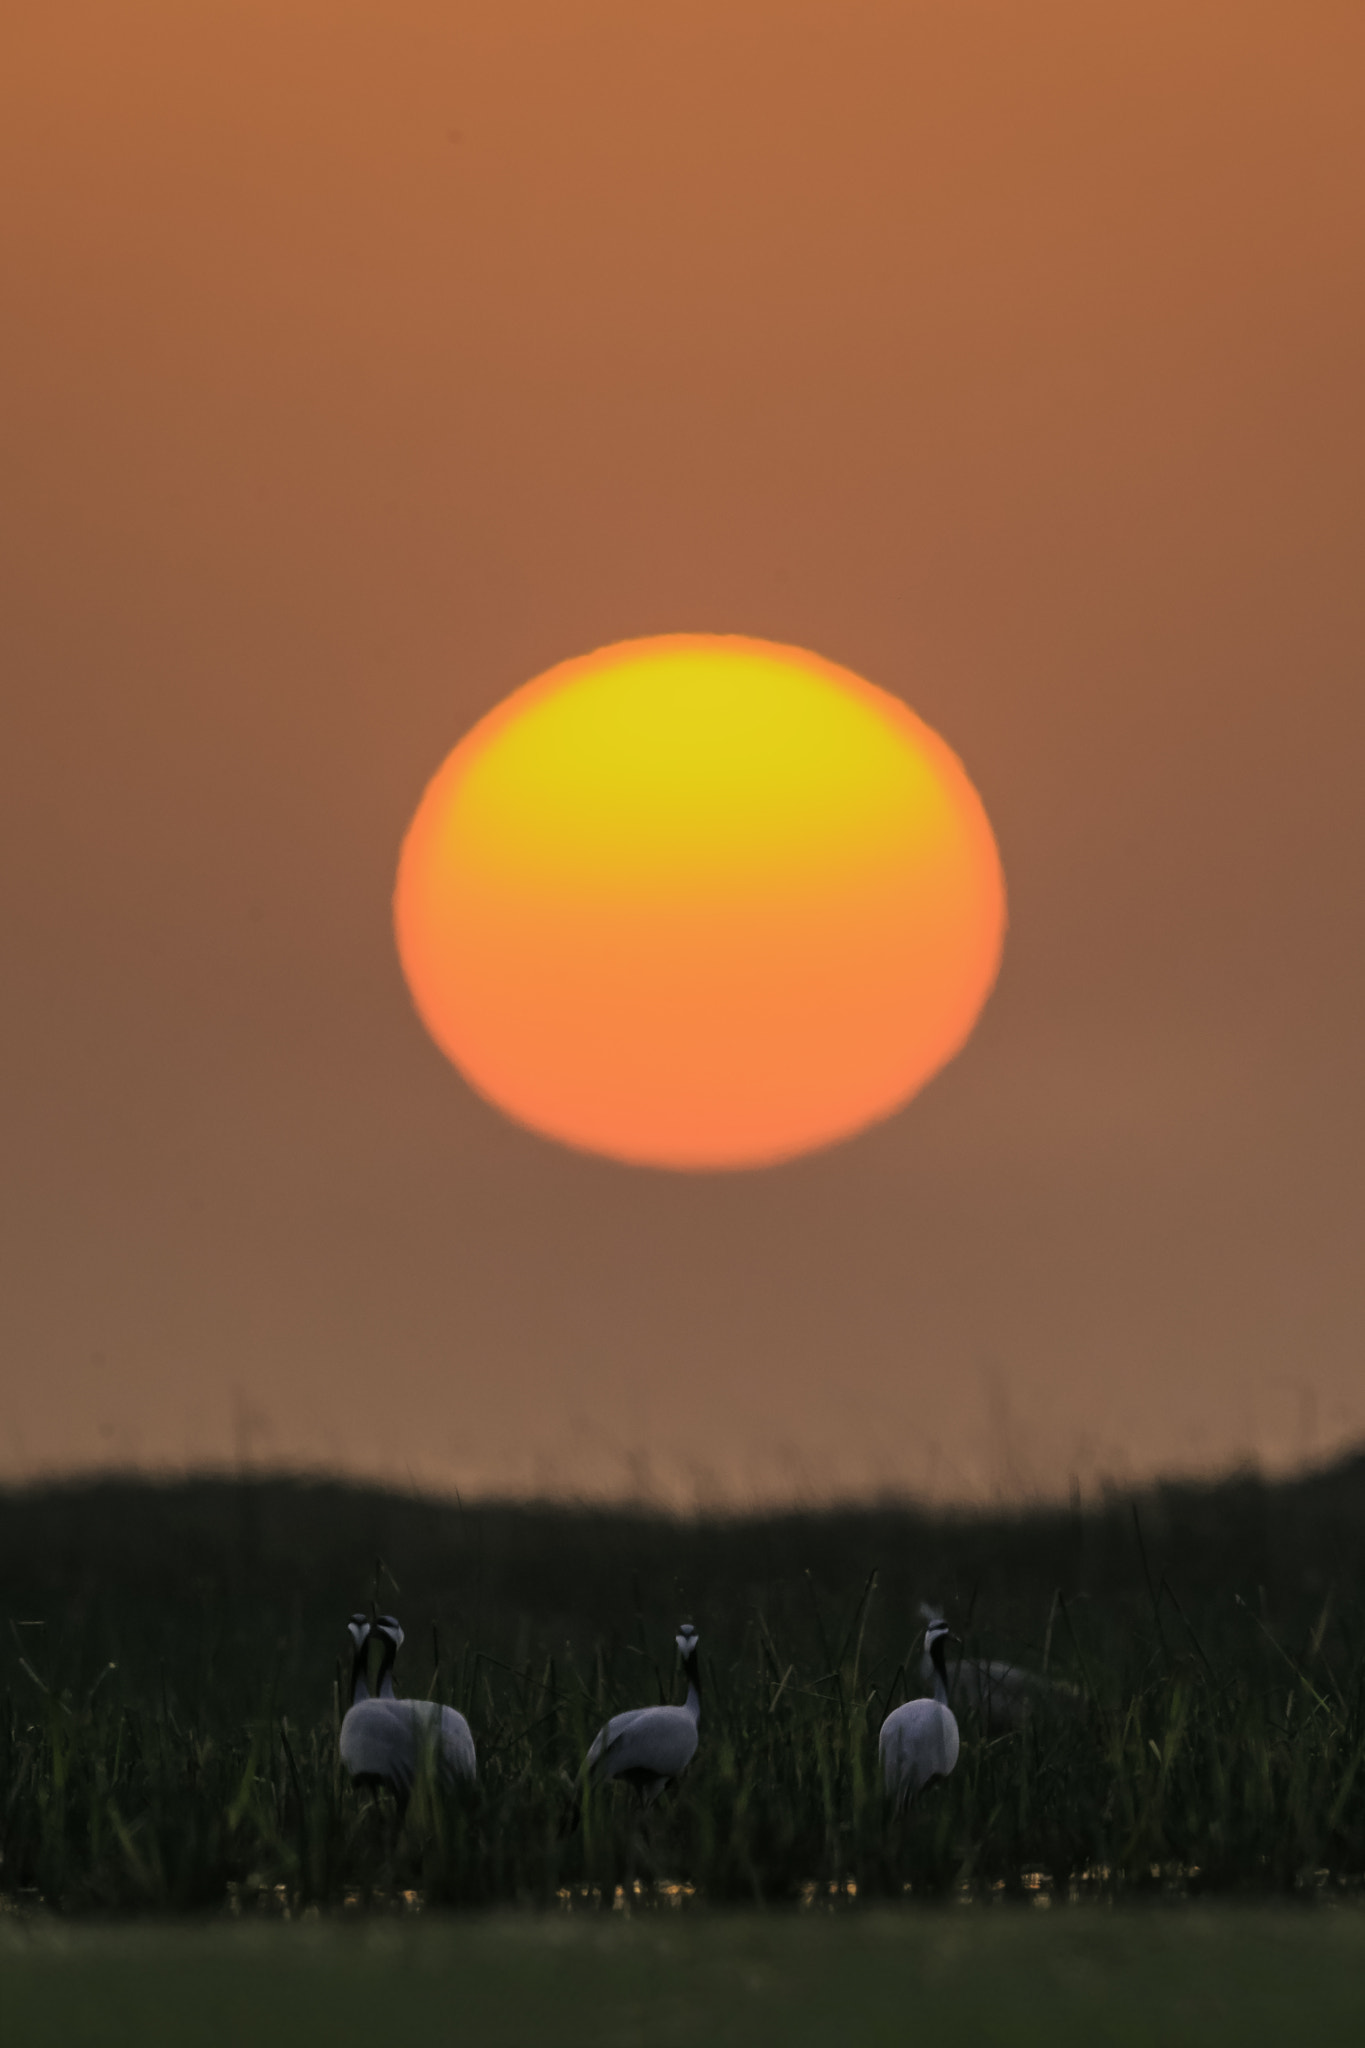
648, 1747
998, 1695
920, 1741
383, 1743
385, 1740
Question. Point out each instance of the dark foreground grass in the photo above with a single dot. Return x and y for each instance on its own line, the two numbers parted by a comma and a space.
1152, 1976
170, 1693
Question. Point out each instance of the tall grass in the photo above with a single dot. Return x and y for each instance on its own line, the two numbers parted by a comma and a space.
171, 1704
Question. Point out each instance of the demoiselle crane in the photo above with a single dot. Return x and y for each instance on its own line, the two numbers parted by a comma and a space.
997, 1694
919, 1741
648, 1747
383, 1740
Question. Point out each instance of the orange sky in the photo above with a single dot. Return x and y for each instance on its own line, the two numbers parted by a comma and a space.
358, 362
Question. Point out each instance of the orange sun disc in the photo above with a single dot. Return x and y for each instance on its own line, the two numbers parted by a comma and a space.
700, 901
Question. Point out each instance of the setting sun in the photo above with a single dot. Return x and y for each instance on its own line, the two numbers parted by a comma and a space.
700, 902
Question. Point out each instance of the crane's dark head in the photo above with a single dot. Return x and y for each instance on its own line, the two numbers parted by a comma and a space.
358, 1629
387, 1626
936, 1639
687, 1640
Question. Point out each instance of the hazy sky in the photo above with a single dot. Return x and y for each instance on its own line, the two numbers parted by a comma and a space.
361, 358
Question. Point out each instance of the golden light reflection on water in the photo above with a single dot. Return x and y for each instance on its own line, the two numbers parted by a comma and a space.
1094, 1884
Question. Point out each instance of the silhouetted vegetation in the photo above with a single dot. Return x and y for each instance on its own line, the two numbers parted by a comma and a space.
173, 1667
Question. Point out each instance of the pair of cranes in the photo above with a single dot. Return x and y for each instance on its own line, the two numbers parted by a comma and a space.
920, 1741
384, 1738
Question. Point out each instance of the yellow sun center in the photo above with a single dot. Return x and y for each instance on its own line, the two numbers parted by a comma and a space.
700, 902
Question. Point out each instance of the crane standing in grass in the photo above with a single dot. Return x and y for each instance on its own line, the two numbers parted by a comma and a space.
999, 1696
648, 1747
384, 1739
919, 1741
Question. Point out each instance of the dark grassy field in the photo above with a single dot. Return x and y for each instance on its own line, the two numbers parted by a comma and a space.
171, 1667
1202, 1977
